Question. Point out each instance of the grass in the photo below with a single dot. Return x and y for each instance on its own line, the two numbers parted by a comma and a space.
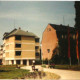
11, 72
68, 67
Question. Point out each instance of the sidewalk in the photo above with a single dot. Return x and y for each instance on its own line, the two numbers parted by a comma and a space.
27, 67
30, 68
65, 74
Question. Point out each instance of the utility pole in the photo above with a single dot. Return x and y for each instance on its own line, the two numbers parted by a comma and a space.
41, 55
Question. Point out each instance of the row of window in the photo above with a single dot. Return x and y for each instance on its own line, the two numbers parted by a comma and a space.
65, 36
18, 53
19, 38
16, 45
19, 46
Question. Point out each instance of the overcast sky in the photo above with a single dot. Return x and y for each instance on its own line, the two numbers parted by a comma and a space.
34, 16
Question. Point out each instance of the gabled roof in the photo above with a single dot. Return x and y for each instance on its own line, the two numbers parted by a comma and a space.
20, 32
61, 27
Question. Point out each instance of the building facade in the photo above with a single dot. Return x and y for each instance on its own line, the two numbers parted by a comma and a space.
49, 42
1, 54
20, 47
77, 21
77, 14
55, 42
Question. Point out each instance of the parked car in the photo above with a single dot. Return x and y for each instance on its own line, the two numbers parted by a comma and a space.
52, 65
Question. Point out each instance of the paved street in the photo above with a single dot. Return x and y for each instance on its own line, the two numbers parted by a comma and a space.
65, 74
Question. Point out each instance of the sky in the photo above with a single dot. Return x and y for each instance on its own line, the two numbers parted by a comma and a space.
34, 16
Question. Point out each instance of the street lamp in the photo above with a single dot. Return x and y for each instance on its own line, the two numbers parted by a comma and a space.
41, 54
33, 67
33, 62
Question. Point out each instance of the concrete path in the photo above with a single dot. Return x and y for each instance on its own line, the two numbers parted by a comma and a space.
30, 68
64, 74
27, 67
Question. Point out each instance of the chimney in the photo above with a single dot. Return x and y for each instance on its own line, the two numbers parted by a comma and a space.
60, 24
19, 28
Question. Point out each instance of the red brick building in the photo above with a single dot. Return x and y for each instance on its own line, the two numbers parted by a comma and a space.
49, 42
55, 42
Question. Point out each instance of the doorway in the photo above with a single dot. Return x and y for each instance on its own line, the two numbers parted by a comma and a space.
24, 62
17, 61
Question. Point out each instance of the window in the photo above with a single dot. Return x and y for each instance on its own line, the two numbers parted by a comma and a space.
36, 47
18, 45
18, 53
48, 50
17, 61
37, 54
17, 37
49, 29
74, 37
36, 40
62, 36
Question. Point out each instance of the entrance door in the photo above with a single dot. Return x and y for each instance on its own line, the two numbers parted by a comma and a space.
24, 62
30, 62
12, 61
17, 61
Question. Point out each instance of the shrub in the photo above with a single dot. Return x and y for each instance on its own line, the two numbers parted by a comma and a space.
38, 62
72, 67
43, 66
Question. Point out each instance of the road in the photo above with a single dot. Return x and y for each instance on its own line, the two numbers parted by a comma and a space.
64, 74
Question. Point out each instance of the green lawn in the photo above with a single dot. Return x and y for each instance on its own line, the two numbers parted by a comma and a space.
11, 72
